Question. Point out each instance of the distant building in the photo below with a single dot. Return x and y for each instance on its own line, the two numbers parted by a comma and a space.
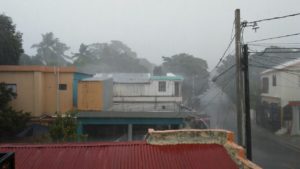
192, 149
143, 92
41, 89
280, 97
140, 101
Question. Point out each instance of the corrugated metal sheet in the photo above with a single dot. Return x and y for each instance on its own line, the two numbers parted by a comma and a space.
172, 78
126, 77
129, 155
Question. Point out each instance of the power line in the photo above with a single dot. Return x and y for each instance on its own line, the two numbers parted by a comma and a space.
225, 51
221, 91
274, 18
228, 46
276, 37
274, 43
222, 73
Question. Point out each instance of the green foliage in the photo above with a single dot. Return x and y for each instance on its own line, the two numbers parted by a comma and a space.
64, 128
50, 51
10, 42
11, 121
109, 58
28, 60
194, 71
185, 64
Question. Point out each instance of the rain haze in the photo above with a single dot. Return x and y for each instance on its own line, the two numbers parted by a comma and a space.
109, 70
151, 28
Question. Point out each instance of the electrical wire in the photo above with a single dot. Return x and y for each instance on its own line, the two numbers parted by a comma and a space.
275, 18
222, 73
276, 37
220, 92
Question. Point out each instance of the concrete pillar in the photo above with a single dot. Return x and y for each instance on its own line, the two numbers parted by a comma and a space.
295, 120
79, 128
38, 100
129, 132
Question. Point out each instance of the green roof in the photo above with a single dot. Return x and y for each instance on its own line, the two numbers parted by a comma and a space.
175, 78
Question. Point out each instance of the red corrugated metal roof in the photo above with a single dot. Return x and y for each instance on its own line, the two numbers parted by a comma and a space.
127, 155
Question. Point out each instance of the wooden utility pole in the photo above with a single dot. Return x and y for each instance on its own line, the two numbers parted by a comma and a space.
239, 82
247, 103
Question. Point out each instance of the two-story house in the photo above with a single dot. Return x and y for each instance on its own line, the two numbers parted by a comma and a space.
280, 96
144, 92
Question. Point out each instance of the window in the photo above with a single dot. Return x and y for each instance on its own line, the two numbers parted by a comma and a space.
162, 86
62, 86
274, 80
13, 87
265, 85
176, 88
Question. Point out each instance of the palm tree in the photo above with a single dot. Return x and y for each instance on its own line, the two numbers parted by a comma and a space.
50, 51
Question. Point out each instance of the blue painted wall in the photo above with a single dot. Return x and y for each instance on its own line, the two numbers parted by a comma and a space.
77, 77
119, 121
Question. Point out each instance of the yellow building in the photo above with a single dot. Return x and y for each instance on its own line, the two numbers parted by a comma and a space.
40, 89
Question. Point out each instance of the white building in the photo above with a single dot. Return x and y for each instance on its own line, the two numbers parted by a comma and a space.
281, 94
143, 92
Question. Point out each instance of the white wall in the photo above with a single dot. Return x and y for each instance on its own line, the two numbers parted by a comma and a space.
287, 86
146, 89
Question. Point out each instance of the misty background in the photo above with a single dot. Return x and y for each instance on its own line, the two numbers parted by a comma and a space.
150, 28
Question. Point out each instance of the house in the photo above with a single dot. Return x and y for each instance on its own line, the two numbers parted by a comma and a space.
144, 92
41, 89
169, 149
280, 97
139, 101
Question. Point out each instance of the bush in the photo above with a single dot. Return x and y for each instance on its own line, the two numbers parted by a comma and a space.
11, 121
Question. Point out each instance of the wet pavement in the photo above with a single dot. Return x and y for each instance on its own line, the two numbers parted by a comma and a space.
269, 151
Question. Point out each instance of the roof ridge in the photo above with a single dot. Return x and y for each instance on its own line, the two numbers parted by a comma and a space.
72, 145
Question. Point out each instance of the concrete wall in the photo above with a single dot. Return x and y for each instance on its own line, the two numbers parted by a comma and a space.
145, 89
287, 87
24, 83
36, 91
107, 94
64, 98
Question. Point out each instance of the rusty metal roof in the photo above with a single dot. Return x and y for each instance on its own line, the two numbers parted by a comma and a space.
131, 155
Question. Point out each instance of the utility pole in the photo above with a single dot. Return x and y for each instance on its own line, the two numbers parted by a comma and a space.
247, 103
239, 82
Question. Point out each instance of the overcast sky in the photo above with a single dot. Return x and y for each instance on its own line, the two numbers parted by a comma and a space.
152, 28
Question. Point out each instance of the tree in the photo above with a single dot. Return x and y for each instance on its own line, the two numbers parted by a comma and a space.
157, 71
10, 42
194, 71
11, 121
28, 60
50, 51
64, 128
111, 57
